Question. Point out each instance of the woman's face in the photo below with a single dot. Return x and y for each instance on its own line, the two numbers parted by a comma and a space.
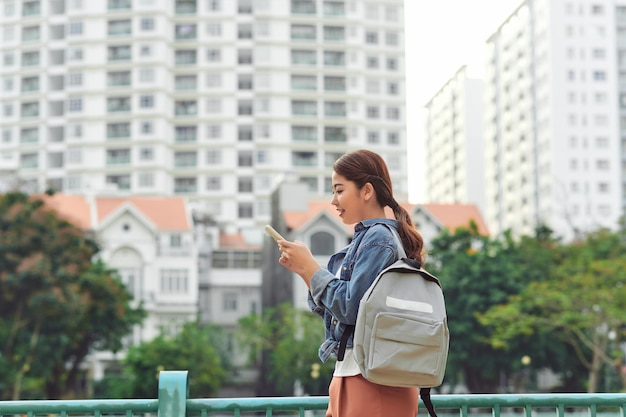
348, 199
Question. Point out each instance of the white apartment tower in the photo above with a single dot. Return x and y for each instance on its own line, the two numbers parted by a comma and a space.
213, 100
454, 142
555, 117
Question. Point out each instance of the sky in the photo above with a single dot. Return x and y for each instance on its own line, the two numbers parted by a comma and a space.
440, 37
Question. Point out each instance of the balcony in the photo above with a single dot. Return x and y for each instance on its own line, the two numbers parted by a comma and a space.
303, 7
116, 105
31, 8
120, 4
186, 7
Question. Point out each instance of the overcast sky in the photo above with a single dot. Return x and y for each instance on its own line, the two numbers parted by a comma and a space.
441, 36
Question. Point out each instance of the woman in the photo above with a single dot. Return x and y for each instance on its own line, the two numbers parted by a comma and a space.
362, 189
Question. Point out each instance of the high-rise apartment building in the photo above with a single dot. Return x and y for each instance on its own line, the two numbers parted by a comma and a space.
214, 100
453, 142
555, 117
553, 134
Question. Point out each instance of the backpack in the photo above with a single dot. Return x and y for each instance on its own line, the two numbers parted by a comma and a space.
401, 333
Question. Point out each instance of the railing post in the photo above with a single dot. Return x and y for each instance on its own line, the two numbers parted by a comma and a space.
173, 393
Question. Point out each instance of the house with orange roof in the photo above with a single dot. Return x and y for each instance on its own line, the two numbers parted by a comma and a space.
150, 242
431, 218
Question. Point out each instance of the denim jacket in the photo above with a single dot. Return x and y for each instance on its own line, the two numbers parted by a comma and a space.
373, 248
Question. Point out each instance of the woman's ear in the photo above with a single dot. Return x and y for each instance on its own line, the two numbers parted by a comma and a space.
368, 191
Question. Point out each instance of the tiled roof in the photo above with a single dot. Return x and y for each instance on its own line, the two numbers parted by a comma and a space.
450, 216
166, 213
235, 241
73, 208
455, 215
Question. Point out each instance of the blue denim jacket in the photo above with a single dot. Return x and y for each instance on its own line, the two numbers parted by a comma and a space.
373, 248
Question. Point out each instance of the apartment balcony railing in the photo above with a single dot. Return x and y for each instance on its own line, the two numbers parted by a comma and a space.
172, 401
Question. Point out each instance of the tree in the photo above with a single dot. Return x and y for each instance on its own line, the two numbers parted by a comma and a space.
476, 273
195, 348
583, 301
291, 337
55, 305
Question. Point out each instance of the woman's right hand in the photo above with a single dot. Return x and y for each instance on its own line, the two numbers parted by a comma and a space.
297, 257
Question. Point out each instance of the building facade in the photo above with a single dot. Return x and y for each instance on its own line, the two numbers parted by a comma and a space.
555, 117
453, 142
211, 100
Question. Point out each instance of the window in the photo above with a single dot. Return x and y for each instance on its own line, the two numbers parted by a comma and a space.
75, 28
599, 75
119, 53
334, 33
75, 104
185, 108
303, 57
245, 210
118, 104
213, 80
322, 243
373, 137
146, 128
118, 78
245, 133
304, 108
186, 133
146, 154
372, 112
244, 81
185, 82
213, 183
119, 27
118, 156
244, 107
304, 133
244, 56
335, 134
303, 82
185, 57
303, 159
214, 29
391, 38
75, 79
334, 83
146, 75
371, 37
334, 58
147, 24
146, 101
122, 182
185, 31
174, 281
118, 130
372, 62
213, 55
185, 185
244, 31
229, 302
245, 159
146, 179
186, 159
392, 64
245, 184
213, 131
303, 32
393, 113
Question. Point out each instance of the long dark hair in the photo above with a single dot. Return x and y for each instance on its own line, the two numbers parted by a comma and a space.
363, 166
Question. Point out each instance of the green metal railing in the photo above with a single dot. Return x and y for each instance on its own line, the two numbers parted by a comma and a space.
173, 401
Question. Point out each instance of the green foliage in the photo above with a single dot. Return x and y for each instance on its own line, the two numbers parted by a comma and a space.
291, 338
56, 305
478, 272
195, 348
582, 300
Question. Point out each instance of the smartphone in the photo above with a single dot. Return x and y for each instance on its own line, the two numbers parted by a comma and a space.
273, 233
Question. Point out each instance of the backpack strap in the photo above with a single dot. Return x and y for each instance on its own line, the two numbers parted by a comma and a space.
343, 343
425, 396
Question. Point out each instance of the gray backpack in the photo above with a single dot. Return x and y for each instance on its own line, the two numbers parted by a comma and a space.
401, 334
